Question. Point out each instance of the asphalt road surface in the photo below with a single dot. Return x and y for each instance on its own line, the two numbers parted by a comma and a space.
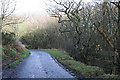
38, 64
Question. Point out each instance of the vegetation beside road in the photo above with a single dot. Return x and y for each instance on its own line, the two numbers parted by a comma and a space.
89, 33
13, 51
12, 56
22, 55
78, 67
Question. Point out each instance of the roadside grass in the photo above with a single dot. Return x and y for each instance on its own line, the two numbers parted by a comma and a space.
77, 67
22, 55
110, 76
15, 56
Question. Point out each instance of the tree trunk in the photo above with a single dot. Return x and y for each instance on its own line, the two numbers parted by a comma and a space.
118, 40
118, 24
112, 47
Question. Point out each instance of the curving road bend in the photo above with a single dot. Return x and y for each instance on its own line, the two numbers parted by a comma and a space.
39, 64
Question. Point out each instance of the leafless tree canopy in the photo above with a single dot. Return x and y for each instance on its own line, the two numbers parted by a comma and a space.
78, 18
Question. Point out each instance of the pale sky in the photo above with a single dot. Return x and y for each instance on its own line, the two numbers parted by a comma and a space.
32, 7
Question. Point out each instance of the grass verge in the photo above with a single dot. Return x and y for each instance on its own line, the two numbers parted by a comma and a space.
22, 55
76, 66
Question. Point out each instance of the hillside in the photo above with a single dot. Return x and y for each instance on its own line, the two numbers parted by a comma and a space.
12, 51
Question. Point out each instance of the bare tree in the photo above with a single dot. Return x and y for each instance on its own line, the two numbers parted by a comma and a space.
78, 19
117, 4
108, 39
7, 8
75, 18
67, 13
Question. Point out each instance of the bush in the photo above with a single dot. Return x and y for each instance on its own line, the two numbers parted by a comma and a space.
8, 38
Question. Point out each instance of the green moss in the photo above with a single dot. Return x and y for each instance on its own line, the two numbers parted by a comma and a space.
58, 54
13, 52
115, 77
5, 56
16, 62
26, 52
80, 68
22, 55
1, 50
86, 71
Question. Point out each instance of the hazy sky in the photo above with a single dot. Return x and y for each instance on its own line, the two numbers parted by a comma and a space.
32, 7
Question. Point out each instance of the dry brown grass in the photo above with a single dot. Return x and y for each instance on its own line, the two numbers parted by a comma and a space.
18, 47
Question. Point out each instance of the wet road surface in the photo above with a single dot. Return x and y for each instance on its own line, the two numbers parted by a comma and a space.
39, 64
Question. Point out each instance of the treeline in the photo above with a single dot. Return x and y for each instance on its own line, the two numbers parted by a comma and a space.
89, 32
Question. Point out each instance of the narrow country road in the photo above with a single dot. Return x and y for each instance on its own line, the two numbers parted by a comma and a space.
38, 64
